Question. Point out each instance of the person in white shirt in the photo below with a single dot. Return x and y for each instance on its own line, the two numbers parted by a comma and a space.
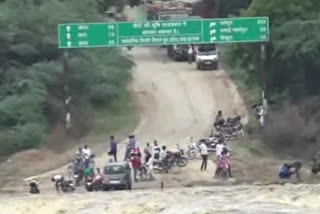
219, 149
190, 54
163, 153
156, 151
149, 166
58, 179
86, 151
204, 155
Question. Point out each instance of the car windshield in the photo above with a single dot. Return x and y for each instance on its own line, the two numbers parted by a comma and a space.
114, 169
183, 47
207, 53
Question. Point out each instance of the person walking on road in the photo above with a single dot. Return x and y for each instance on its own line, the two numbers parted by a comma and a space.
113, 148
219, 149
149, 166
204, 155
190, 54
156, 150
135, 162
131, 145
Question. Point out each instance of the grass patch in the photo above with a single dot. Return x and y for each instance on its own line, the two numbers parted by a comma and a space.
248, 88
250, 147
120, 120
251, 94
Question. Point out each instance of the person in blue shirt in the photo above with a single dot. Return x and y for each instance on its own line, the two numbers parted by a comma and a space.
113, 148
287, 170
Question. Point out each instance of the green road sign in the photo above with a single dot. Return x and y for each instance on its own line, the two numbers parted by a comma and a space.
198, 31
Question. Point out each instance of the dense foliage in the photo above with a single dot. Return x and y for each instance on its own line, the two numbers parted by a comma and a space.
292, 62
31, 77
220, 8
291, 73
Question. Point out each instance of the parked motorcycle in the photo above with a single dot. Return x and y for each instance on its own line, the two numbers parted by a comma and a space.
192, 152
78, 176
93, 185
67, 186
231, 128
180, 158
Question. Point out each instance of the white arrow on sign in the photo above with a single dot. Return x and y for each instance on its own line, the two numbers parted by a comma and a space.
68, 36
212, 24
68, 28
213, 31
213, 39
69, 43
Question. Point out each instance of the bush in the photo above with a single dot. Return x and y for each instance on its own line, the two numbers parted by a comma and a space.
289, 130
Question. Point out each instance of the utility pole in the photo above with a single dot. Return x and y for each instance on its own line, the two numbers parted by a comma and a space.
145, 10
263, 78
217, 8
67, 97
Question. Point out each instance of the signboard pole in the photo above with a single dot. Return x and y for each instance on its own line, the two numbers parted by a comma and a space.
67, 96
263, 77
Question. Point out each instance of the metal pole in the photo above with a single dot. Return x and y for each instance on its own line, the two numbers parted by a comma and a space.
67, 97
145, 8
263, 78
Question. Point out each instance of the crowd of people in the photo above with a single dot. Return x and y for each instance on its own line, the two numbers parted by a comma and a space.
143, 162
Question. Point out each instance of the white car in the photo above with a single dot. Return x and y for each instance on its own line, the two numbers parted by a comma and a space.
207, 57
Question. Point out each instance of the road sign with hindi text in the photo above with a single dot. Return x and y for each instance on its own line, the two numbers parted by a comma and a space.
171, 32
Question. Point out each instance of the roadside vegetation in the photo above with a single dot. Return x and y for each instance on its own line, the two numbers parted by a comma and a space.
31, 75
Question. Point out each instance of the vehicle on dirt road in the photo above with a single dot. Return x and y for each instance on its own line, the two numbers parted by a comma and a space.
210, 143
174, 160
178, 52
180, 158
67, 186
231, 128
192, 152
92, 185
117, 176
206, 57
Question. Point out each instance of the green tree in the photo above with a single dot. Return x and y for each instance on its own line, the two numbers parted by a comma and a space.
291, 66
31, 80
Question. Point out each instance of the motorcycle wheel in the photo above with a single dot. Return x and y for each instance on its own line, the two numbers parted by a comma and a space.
182, 162
89, 188
192, 155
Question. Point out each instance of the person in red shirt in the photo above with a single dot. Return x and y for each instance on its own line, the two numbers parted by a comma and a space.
226, 160
136, 162
224, 163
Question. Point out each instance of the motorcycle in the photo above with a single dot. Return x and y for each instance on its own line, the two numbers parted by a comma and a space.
93, 185
192, 152
165, 165
67, 186
180, 158
231, 128
78, 176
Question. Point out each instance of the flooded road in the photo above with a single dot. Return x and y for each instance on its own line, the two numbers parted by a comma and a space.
273, 199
